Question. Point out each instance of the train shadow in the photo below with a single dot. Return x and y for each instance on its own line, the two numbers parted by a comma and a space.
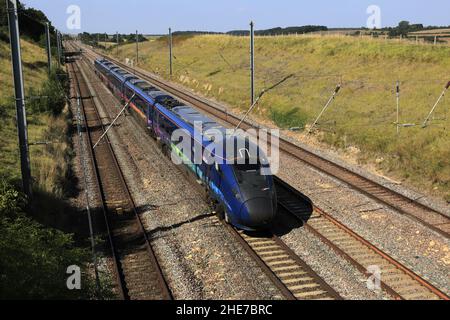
294, 210
154, 232
288, 220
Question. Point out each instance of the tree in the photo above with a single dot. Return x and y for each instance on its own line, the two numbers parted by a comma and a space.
403, 28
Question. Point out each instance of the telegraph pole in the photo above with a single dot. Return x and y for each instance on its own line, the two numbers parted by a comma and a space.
252, 63
170, 51
58, 48
117, 39
137, 48
398, 107
61, 48
49, 48
13, 21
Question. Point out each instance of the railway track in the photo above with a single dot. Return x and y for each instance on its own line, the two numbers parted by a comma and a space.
139, 276
396, 279
290, 274
429, 217
296, 280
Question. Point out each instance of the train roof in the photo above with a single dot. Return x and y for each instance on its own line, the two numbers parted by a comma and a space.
191, 115
186, 113
136, 82
158, 94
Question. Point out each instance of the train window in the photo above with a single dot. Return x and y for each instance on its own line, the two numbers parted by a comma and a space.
129, 93
248, 171
170, 127
140, 104
167, 125
249, 166
168, 102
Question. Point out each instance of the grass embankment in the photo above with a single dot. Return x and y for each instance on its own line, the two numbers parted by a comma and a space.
364, 113
34, 255
46, 162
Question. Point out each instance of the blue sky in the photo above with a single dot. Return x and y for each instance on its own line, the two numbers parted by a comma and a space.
155, 16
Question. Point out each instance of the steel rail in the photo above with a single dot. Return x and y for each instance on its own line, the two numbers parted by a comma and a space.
352, 247
114, 167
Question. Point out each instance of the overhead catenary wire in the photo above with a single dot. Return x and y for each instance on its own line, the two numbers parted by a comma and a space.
255, 103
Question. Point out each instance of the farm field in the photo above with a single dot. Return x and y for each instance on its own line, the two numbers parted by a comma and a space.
361, 121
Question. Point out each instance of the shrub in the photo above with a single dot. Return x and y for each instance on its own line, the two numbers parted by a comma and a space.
52, 96
34, 259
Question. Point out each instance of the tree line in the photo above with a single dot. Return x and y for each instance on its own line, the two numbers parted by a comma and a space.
31, 23
404, 28
279, 31
94, 38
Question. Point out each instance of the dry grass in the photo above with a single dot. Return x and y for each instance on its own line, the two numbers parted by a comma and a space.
48, 163
433, 31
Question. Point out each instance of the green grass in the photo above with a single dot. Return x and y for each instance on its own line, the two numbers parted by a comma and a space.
364, 112
48, 163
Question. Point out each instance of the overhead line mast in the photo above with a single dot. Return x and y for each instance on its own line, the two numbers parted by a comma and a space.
16, 56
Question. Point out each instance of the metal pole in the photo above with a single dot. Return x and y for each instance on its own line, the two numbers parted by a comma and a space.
398, 107
435, 105
325, 108
254, 104
114, 121
61, 47
252, 63
137, 48
16, 56
57, 46
170, 51
117, 39
49, 48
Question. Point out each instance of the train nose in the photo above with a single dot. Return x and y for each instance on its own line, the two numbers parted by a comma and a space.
260, 212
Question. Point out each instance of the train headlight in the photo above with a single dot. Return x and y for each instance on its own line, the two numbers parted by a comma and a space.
236, 193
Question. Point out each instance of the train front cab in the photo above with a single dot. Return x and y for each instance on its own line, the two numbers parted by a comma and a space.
244, 186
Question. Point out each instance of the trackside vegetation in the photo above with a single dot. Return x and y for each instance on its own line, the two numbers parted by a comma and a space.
37, 240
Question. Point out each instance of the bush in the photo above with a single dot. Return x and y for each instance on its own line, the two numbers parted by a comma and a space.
52, 96
4, 36
34, 259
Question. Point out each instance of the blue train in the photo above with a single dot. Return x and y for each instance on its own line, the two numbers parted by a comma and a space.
237, 189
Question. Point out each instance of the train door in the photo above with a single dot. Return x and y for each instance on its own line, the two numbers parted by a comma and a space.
156, 123
151, 118
214, 189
